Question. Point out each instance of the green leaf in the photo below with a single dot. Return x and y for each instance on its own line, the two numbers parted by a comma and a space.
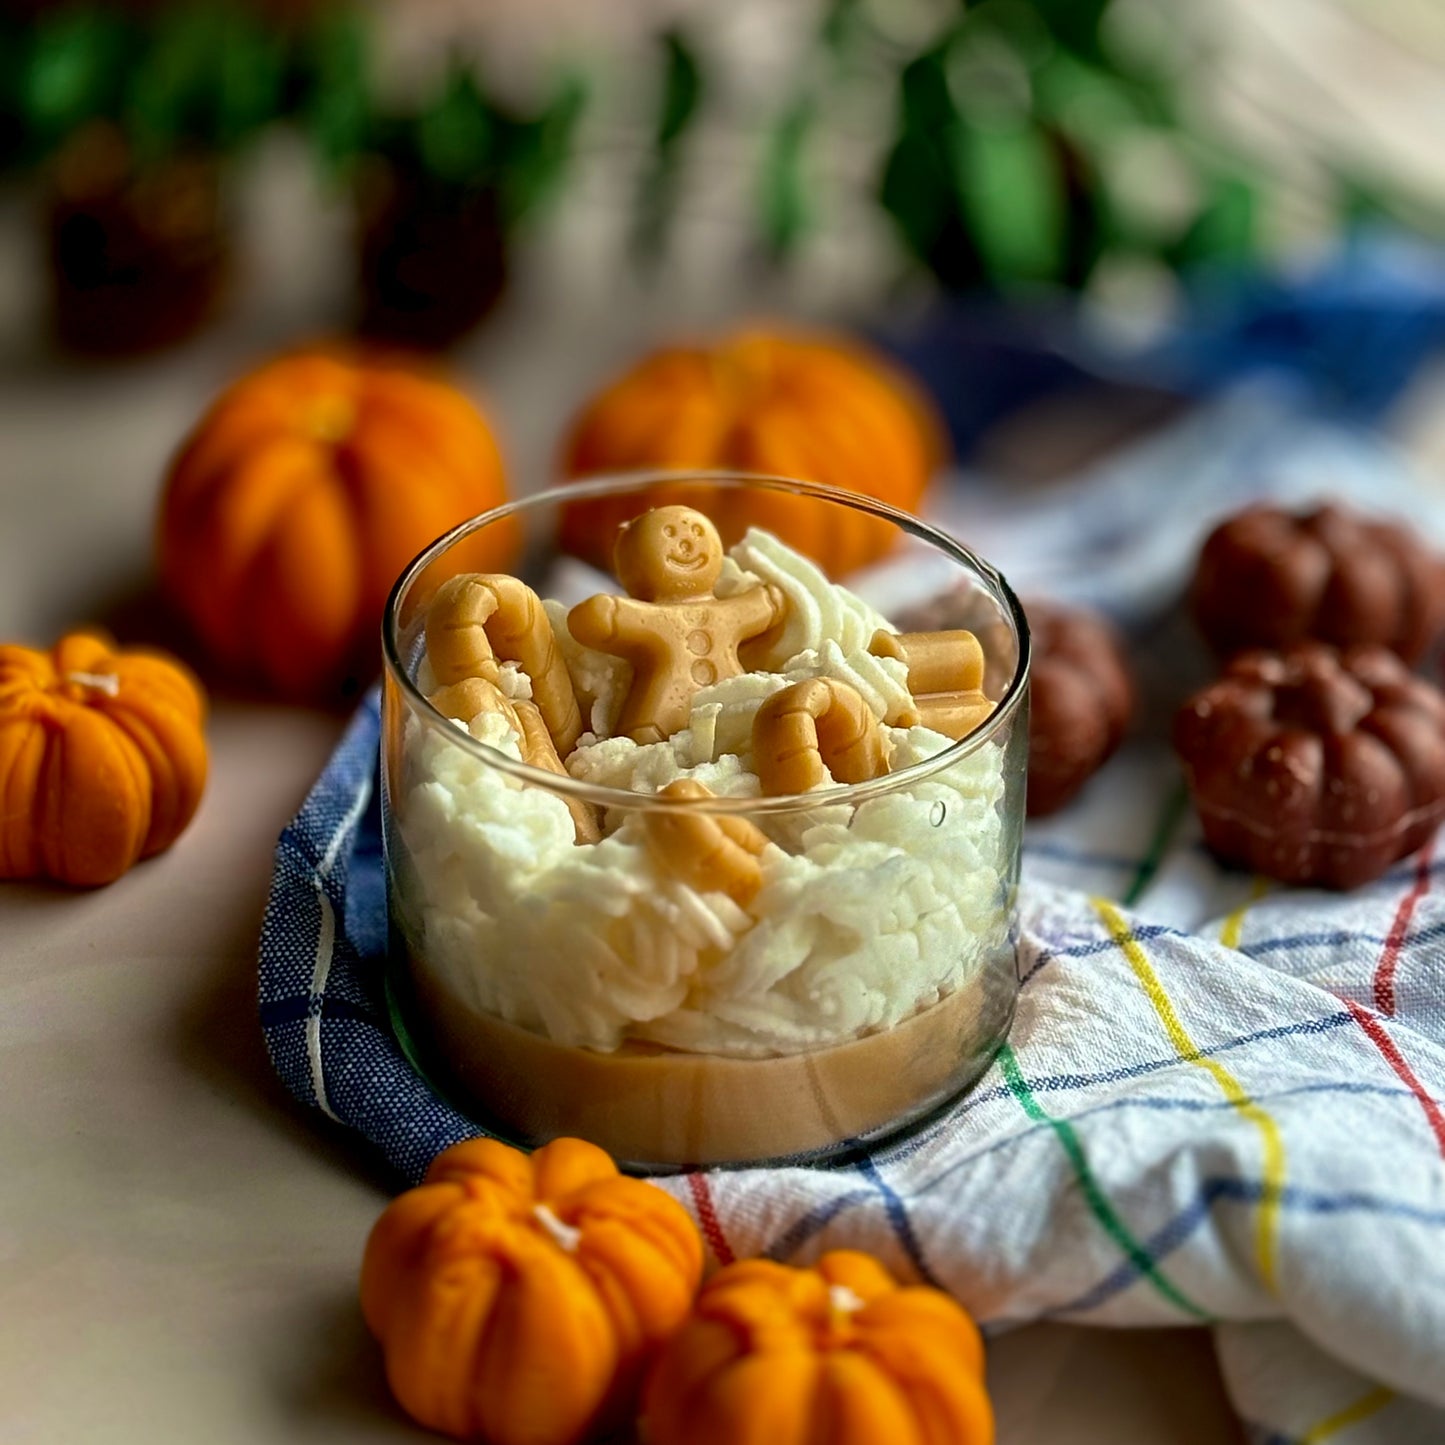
1091, 106
1011, 195
209, 74
926, 106
786, 214
454, 135
72, 72
916, 193
1225, 230
334, 85
682, 91
251, 70
1074, 24
535, 153
840, 25
175, 71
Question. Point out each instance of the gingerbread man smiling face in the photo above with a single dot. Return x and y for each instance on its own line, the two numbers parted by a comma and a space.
675, 633
669, 554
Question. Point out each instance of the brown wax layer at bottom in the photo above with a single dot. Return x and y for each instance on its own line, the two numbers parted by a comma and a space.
650, 1105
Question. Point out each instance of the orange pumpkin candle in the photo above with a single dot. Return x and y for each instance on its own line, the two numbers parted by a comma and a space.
834, 1355
815, 409
518, 1299
301, 495
102, 758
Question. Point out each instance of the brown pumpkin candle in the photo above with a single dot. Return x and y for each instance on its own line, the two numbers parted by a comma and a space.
1269, 577
1315, 767
1081, 699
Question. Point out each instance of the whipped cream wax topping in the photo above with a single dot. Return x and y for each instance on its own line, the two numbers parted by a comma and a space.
818, 610
865, 914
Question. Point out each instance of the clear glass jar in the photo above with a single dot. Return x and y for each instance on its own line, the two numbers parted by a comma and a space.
597, 989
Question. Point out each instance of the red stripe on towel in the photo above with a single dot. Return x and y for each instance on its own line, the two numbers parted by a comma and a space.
712, 1230
1375, 1031
1395, 942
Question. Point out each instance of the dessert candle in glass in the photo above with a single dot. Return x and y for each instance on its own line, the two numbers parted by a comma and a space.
716, 862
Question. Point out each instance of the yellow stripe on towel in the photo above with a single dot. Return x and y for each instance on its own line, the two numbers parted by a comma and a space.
1370, 1403
1232, 1089
1229, 935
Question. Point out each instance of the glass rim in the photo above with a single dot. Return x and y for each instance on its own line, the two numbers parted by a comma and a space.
566, 786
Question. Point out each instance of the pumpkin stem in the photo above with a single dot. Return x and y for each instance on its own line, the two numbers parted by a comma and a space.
106, 682
563, 1235
332, 419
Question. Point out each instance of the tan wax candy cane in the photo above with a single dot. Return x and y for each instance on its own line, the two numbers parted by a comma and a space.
477, 618
945, 676
714, 853
676, 634
813, 729
470, 696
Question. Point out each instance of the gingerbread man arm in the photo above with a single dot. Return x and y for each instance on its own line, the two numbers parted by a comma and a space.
764, 610
600, 621
759, 608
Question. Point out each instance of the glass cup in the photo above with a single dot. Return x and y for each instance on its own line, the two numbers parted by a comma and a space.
858, 982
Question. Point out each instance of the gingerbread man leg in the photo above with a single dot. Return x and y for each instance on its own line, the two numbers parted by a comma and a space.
712, 853
538, 749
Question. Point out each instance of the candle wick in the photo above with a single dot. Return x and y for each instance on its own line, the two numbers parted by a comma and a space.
565, 1236
106, 682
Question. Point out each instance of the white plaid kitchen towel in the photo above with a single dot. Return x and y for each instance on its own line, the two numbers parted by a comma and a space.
1222, 1101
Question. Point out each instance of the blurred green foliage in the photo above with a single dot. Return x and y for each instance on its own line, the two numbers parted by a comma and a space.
212, 74
458, 138
679, 101
787, 212
330, 84
1032, 140
69, 68
196, 74
1005, 158
1010, 130
206, 73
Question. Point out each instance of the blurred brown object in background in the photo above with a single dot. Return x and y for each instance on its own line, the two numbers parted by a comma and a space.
1269, 577
1081, 699
432, 256
139, 254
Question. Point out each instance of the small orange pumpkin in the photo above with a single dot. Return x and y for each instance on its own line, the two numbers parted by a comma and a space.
816, 409
300, 496
518, 1299
102, 758
839, 1353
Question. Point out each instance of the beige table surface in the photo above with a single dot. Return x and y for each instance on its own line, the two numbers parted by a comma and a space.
178, 1241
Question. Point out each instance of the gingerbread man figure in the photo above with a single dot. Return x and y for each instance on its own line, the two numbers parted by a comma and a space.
675, 633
